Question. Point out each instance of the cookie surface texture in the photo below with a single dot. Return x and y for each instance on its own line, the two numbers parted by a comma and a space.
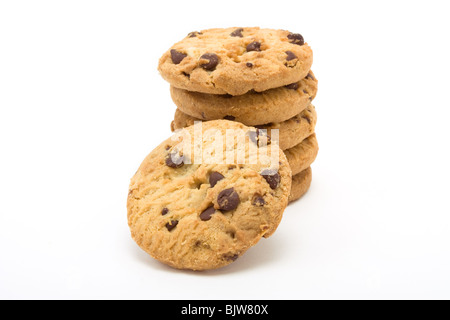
236, 60
300, 184
302, 155
253, 108
202, 215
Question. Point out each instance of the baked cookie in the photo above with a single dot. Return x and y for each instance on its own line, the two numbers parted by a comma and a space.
252, 108
204, 213
291, 132
300, 184
302, 155
236, 60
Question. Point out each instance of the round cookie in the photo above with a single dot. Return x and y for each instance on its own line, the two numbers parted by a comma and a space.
291, 132
206, 214
236, 60
302, 155
300, 184
252, 108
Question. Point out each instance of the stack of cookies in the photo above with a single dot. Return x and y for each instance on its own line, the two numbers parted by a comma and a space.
258, 77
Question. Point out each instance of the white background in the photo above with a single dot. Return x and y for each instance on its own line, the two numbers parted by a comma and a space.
82, 103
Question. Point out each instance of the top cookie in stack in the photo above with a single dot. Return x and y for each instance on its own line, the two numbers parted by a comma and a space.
235, 61
259, 77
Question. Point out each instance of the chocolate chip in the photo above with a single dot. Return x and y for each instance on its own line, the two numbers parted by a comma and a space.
194, 34
172, 224
307, 119
290, 56
296, 38
258, 200
174, 160
228, 199
213, 61
177, 56
293, 86
237, 33
249, 64
310, 76
254, 46
187, 75
164, 211
206, 214
231, 118
259, 137
272, 178
231, 257
215, 177
231, 233
263, 137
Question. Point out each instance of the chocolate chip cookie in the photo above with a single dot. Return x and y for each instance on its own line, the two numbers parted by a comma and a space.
203, 209
252, 108
302, 155
291, 132
300, 184
236, 60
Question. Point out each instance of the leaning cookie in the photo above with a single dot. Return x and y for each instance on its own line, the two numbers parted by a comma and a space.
252, 108
204, 213
291, 132
302, 155
236, 60
300, 184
